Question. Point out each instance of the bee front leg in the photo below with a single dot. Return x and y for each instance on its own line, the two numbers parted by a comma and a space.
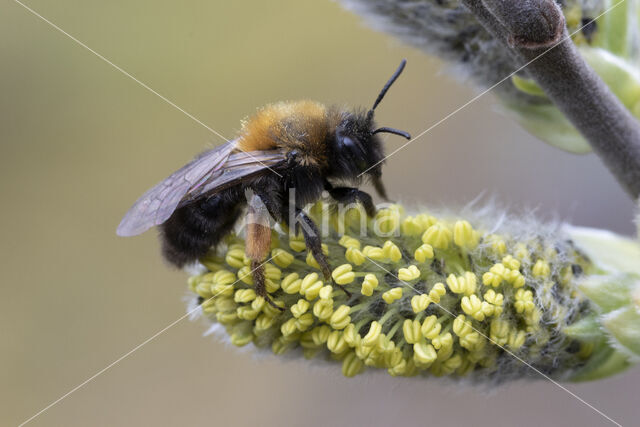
348, 195
314, 243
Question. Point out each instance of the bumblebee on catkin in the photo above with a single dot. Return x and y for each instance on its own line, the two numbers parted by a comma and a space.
429, 295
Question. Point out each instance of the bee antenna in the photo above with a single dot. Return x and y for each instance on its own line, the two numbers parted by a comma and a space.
386, 87
393, 131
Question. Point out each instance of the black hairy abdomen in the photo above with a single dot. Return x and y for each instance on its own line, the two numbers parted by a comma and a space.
196, 227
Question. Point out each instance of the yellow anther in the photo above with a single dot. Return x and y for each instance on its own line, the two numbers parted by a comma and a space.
340, 318
289, 327
281, 257
247, 313
350, 335
326, 292
312, 291
464, 235
459, 285
411, 227
336, 343
388, 220
235, 258
351, 365
369, 283
203, 289
516, 339
223, 278
472, 342
524, 301
323, 309
497, 244
392, 251
349, 242
343, 275
355, 256
299, 308
263, 322
320, 334
374, 252
420, 303
241, 334
473, 307
494, 297
425, 220
222, 290
271, 272
499, 331
408, 274
373, 335
495, 275
297, 243
424, 354
258, 304
521, 252
291, 283
541, 269
443, 342
244, 295
423, 253
227, 318
470, 281
461, 326
246, 275
511, 263
437, 291
225, 304
392, 295
430, 327
438, 236
304, 322
310, 286
272, 285
411, 330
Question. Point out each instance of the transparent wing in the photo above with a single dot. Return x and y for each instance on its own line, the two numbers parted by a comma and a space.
239, 166
207, 173
157, 204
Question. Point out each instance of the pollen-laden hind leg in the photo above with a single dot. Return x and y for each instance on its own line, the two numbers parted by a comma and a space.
258, 245
314, 243
194, 228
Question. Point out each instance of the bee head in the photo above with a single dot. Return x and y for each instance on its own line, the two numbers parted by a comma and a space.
360, 146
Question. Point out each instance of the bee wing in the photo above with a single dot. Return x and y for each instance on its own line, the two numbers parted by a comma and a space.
157, 204
238, 167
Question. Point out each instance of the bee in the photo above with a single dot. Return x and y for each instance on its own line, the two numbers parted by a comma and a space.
301, 145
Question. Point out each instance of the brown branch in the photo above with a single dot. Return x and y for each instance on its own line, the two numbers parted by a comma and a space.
535, 32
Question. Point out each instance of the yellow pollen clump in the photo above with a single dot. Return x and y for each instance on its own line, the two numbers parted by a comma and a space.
464, 235
438, 236
343, 275
392, 295
408, 274
423, 253
281, 257
369, 284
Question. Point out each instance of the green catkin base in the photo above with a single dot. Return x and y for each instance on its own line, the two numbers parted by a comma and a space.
438, 296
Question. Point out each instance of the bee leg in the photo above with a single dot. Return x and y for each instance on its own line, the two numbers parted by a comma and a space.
257, 271
258, 245
347, 195
312, 239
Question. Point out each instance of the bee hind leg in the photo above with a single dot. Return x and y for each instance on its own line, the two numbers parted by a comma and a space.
258, 245
313, 242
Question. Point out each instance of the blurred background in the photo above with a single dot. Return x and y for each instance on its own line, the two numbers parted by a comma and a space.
80, 142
